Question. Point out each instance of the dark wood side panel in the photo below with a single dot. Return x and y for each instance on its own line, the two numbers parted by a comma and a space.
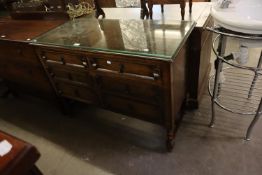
20, 67
198, 63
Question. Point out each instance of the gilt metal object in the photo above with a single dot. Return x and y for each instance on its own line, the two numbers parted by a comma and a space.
83, 8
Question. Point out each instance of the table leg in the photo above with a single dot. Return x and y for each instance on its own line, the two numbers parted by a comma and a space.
144, 11
190, 6
183, 6
150, 8
170, 142
99, 10
162, 8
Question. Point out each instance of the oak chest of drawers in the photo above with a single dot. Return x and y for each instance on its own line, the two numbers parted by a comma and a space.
143, 76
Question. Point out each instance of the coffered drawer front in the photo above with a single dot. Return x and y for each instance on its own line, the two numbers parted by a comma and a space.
128, 69
67, 73
64, 59
139, 110
23, 73
11, 51
80, 93
131, 89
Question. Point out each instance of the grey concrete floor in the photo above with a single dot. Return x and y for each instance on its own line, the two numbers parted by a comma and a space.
98, 142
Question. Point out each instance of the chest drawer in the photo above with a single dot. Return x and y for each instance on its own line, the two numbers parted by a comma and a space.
132, 70
76, 92
67, 73
136, 109
131, 89
61, 58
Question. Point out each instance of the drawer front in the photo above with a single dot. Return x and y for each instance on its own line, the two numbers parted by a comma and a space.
127, 69
17, 52
64, 59
136, 109
131, 89
67, 73
80, 93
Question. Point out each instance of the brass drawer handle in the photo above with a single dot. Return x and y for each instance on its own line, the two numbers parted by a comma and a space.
94, 65
84, 62
156, 75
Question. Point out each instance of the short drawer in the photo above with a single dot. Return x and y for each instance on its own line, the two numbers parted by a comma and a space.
69, 74
73, 91
64, 59
140, 71
136, 109
132, 89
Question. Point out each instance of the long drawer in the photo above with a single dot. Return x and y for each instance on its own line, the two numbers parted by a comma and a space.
68, 73
60, 58
115, 67
76, 92
131, 89
147, 112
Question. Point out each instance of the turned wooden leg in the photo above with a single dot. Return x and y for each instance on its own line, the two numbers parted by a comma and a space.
150, 8
99, 10
162, 8
170, 142
190, 6
183, 6
144, 11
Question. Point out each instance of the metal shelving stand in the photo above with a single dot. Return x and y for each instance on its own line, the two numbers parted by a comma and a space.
241, 92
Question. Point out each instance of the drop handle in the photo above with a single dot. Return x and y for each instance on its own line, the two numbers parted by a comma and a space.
84, 62
94, 65
43, 57
156, 75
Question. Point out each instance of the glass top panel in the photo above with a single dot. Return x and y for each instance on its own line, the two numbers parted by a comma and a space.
159, 39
